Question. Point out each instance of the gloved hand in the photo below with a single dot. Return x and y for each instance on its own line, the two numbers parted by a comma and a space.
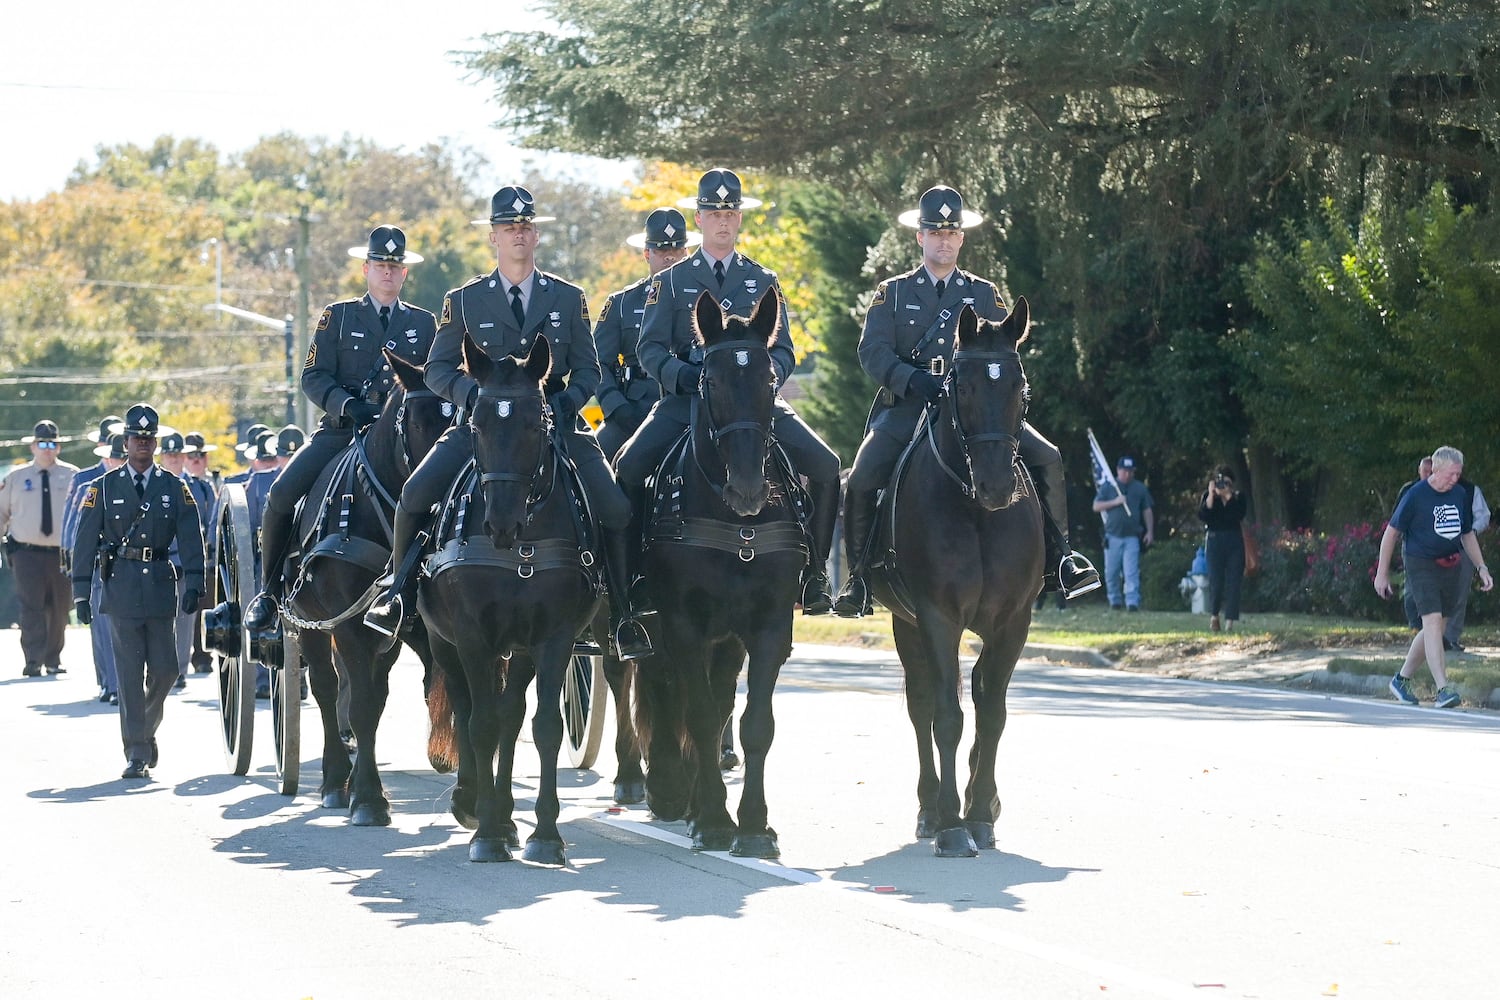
563, 411
190, 599
925, 387
687, 379
360, 412
84, 612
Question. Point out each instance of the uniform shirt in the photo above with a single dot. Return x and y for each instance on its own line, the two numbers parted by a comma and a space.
904, 309
1432, 524
616, 335
557, 311
345, 353
113, 518
21, 502
75, 499
667, 325
203, 492
1116, 521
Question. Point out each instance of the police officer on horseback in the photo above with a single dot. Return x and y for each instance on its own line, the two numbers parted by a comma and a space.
345, 375
666, 351
906, 344
503, 312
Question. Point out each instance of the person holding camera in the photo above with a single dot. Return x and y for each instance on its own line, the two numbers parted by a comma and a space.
1222, 511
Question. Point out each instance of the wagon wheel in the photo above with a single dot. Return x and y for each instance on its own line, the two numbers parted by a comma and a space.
231, 582
582, 711
286, 712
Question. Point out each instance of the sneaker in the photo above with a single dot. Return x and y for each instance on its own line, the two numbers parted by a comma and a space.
1447, 697
1401, 688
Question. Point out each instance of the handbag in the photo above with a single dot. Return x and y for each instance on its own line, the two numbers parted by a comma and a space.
1252, 549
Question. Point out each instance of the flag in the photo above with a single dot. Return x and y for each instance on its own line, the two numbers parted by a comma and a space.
1102, 473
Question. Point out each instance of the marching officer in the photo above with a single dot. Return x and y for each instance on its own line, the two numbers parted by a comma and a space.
110, 450
171, 454
205, 491
665, 350
626, 390
502, 312
908, 336
129, 521
345, 375
33, 499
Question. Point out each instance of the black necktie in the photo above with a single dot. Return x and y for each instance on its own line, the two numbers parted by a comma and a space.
385, 317
140, 484
517, 310
46, 503
941, 284
719, 272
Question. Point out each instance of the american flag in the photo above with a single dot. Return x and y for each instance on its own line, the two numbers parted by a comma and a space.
1102, 473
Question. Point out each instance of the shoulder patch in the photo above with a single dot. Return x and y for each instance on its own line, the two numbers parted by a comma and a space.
879, 295
90, 496
326, 317
583, 306
312, 357
187, 494
604, 313
653, 294
447, 309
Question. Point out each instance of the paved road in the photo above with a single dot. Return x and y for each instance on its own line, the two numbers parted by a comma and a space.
1161, 839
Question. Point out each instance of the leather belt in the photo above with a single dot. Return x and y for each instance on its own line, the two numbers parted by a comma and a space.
28, 547
143, 554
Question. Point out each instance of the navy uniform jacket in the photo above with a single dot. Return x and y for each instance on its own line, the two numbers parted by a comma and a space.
557, 311
667, 330
345, 352
203, 492
622, 380
903, 311
108, 528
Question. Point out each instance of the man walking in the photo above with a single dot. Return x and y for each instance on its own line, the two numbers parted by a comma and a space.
32, 502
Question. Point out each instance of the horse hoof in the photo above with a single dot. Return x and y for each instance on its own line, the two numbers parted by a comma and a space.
370, 814
713, 839
756, 845
336, 799
983, 834
512, 838
466, 819
439, 763
927, 827
728, 760
628, 793
488, 849
666, 810
955, 842
545, 852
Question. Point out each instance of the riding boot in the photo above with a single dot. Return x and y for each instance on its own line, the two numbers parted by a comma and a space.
275, 540
392, 609
631, 639
640, 500
816, 599
1073, 574
859, 518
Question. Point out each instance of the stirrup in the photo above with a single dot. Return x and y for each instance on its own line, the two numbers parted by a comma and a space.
261, 612
632, 642
816, 599
1076, 576
386, 617
854, 598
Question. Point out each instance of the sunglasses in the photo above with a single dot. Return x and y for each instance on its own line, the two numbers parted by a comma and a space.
47, 445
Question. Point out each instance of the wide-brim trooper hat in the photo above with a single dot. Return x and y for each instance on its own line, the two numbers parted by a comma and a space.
108, 428
289, 439
665, 229
45, 430
387, 243
194, 443
115, 448
719, 190
512, 203
170, 442
263, 448
141, 421
941, 207
252, 434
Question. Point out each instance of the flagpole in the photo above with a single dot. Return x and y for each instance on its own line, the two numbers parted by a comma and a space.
1102, 468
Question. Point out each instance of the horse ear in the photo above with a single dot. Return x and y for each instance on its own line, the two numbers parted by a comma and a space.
538, 363
708, 318
478, 364
409, 376
766, 316
968, 323
1020, 319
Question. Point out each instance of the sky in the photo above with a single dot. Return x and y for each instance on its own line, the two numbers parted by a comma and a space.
83, 73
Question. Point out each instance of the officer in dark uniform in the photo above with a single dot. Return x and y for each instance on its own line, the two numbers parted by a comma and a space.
252, 434
171, 455
502, 312
626, 390
911, 325
345, 375
110, 439
129, 520
204, 488
665, 350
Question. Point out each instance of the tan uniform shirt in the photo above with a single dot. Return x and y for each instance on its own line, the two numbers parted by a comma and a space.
21, 502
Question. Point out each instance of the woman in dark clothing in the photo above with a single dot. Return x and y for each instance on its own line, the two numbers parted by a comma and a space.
1222, 509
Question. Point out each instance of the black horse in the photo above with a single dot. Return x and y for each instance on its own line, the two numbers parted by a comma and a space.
725, 555
962, 534
346, 541
510, 588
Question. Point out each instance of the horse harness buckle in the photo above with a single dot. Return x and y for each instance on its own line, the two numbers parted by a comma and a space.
747, 552
526, 570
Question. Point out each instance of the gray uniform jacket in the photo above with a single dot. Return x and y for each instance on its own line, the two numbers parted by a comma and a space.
345, 353
138, 581
622, 380
557, 311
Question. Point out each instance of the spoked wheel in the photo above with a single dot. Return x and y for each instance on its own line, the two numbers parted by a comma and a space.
584, 698
286, 712
231, 583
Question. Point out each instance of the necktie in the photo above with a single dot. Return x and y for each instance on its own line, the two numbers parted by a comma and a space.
941, 284
140, 484
385, 317
517, 310
719, 272
46, 503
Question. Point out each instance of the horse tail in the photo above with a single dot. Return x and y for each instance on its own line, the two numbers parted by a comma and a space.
659, 705
442, 750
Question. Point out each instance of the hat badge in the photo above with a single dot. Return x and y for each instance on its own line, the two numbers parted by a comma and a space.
518, 205
723, 192
390, 246
143, 421
671, 231
946, 210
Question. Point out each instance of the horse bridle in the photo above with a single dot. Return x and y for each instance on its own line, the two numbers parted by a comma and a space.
401, 432
715, 433
964, 439
533, 499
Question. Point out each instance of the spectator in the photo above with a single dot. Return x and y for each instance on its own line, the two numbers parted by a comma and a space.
1481, 511
1129, 523
1222, 511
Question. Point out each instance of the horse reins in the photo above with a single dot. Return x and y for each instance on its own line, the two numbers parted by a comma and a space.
965, 440
533, 500
715, 433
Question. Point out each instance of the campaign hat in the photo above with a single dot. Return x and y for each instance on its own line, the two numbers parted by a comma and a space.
387, 243
665, 228
141, 420
45, 430
512, 203
719, 190
940, 207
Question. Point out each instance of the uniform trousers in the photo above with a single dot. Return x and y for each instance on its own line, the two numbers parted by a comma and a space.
184, 630
99, 639
45, 596
146, 660
298, 475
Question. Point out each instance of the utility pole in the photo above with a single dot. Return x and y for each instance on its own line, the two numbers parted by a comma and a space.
304, 225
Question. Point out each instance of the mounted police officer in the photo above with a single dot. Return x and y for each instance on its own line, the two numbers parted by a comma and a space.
130, 519
503, 312
345, 375
907, 340
666, 352
626, 390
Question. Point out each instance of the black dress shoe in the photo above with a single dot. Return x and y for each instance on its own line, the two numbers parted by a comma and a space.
816, 598
114, 697
103, 696
136, 769
59, 669
154, 753
32, 670
180, 683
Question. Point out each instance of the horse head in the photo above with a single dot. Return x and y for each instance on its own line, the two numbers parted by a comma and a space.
509, 427
420, 415
987, 395
738, 392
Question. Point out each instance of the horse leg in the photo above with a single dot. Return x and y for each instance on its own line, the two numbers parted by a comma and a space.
453, 684
519, 670
630, 778
322, 678
659, 716
490, 842
920, 697
991, 681
940, 639
545, 845
768, 651
369, 689
710, 826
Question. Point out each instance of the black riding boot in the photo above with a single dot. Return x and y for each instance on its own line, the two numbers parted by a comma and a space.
816, 599
640, 499
631, 639
1066, 571
275, 540
859, 518
392, 609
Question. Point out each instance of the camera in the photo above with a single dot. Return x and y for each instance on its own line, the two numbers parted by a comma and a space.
1221, 482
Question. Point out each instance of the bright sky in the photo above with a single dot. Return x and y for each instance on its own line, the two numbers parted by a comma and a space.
84, 73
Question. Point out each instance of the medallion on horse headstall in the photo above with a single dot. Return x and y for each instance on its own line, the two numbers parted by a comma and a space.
742, 358
994, 370
502, 409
